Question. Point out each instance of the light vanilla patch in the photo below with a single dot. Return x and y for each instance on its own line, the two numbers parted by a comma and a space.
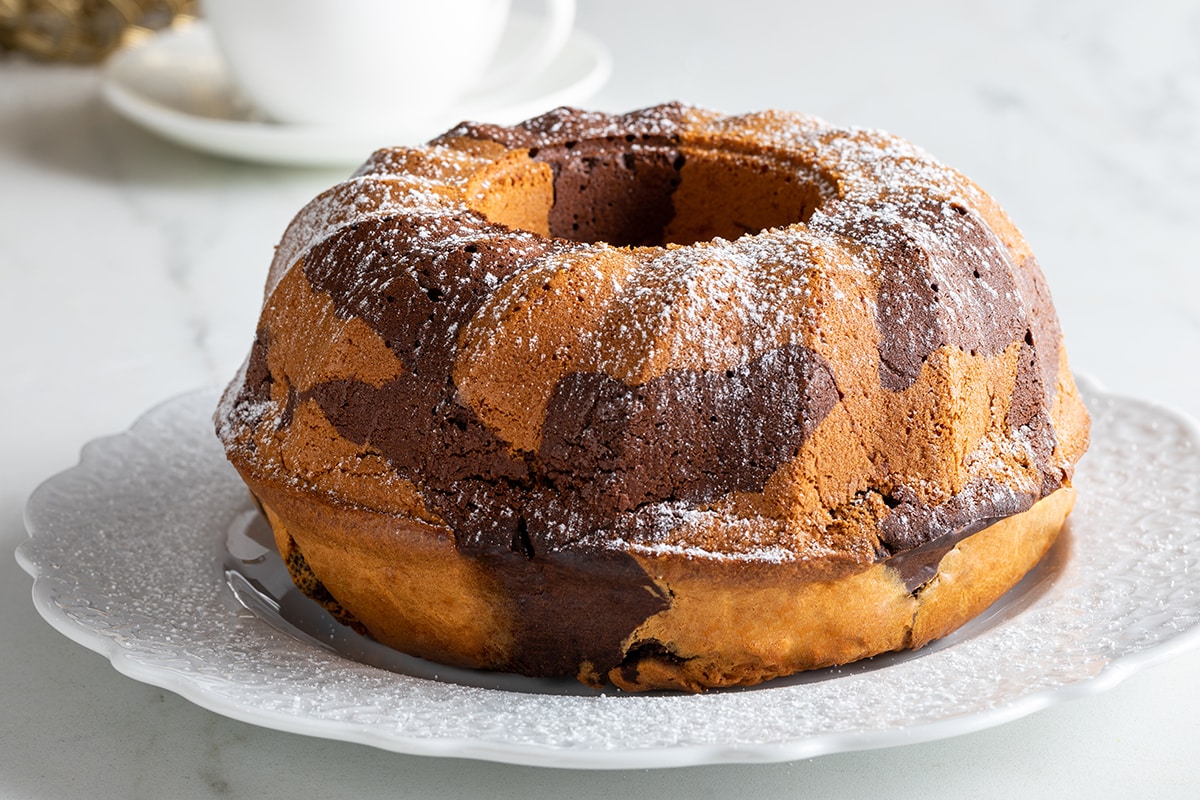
725, 193
715, 305
310, 344
513, 190
734, 624
405, 580
311, 449
538, 327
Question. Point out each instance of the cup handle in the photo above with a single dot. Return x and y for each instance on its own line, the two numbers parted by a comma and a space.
560, 17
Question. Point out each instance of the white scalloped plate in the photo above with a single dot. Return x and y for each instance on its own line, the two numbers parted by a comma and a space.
130, 552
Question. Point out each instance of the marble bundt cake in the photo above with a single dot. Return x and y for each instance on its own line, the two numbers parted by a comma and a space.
670, 399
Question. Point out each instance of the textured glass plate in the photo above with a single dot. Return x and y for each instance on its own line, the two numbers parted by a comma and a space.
146, 553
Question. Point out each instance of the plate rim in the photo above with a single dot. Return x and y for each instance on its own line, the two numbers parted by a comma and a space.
1114, 672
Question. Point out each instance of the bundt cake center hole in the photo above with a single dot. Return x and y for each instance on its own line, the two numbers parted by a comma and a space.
649, 193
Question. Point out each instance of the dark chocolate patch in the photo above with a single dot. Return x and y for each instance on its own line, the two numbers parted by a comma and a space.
573, 608
613, 174
289, 407
416, 280
527, 514
917, 566
1044, 330
602, 194
945, 279
564, 126
644, 651
1029, 416
912, 523
691, 436
256, 388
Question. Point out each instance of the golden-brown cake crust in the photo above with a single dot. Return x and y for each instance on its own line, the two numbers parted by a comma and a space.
665, 400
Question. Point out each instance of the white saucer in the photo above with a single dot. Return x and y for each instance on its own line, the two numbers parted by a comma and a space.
176, 85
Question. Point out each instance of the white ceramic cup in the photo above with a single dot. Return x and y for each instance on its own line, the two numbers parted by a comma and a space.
351, 63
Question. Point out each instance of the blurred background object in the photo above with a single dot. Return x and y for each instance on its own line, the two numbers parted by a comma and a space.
83, 31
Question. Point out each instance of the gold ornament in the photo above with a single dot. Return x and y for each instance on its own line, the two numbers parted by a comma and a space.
83, 31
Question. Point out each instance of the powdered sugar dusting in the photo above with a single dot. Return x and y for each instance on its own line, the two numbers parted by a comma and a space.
391, 183
661, 529
908, 227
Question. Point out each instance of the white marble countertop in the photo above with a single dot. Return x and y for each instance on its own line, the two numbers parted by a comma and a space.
131, 271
